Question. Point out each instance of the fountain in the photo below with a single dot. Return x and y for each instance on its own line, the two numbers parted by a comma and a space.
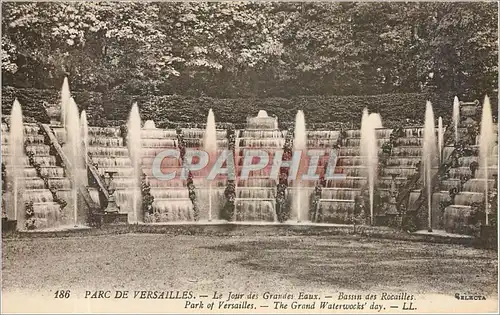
15, 164
210, 136
428, 157
149, 125
256, 195
65, 100
73, 150
171, 197
210, 146
262, 114
262, 120
300, 201
456, 116
134, 147
369, 151
84, 127
440, 137
486, 144
363, 141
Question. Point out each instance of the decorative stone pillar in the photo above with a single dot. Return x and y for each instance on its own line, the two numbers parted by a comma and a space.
391, 210
111, 186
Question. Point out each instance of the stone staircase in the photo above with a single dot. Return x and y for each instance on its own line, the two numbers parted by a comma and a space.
338, 198
209, 194
46, 205
108, 153
256, 194
171, 197
470, 187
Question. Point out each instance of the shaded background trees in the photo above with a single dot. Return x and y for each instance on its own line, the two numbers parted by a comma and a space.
229, 50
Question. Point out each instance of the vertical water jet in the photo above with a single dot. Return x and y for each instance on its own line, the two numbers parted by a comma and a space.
17, 156
210, 146
363, 133
369, 152
440, 138
456, 116
134, 147
300, 144
73, 150
486, 145
428, 157
84, 128
65, 100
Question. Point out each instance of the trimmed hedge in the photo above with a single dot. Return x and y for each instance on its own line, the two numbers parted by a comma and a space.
167, 110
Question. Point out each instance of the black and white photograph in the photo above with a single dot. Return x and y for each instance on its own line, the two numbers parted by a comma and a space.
249, 157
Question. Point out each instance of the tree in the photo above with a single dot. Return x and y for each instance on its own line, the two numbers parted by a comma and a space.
251, 49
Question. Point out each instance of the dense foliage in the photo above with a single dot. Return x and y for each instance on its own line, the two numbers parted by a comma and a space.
167, 111
265, 49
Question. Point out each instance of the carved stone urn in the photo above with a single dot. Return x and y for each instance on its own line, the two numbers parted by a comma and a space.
54, 112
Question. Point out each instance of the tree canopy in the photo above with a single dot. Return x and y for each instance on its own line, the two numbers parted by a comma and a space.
250, 49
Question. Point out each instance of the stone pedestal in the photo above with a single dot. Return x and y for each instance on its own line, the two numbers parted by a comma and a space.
392, 214
488, 235
393, 218
113, 218
380, 220
8, 225
112, 207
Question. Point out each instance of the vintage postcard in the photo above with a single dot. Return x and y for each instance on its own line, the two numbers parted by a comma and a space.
249, 157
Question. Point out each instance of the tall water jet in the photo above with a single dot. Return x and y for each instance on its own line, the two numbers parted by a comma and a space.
362, 141
300, 144
375, 120
84, 128
134, 148
428, 157
15, 164
210, 146
486, 145
456, 116
369, 151
210, 136
440, 138
73, 150
65, 100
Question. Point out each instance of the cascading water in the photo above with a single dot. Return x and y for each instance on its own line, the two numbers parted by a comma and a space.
369, 151
210, 146
428, 157
65, 99
456, 116
17, 156
73, 150
84, 128
134, 147
300, 200
440, 137
262, 114
486, 145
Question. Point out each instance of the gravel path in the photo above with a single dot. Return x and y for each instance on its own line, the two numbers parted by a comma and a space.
245, 264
